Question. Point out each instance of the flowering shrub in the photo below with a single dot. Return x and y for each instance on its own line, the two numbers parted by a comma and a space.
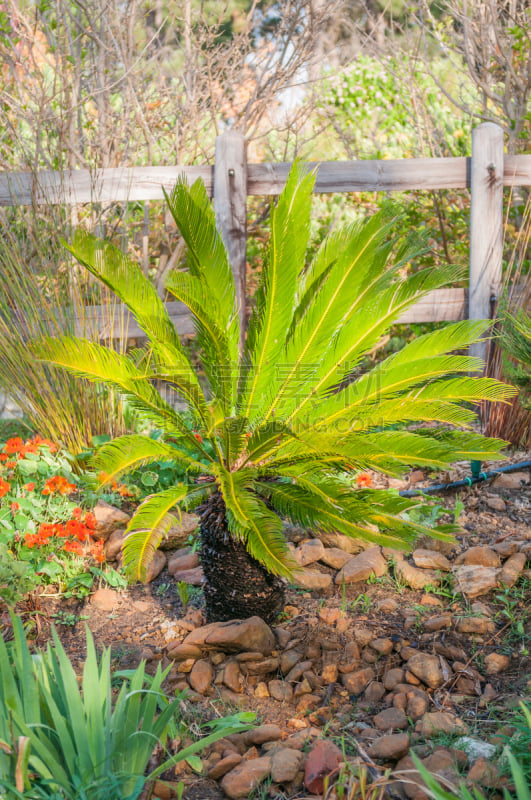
41, 523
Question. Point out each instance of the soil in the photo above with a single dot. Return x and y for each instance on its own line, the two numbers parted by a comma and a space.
137, 624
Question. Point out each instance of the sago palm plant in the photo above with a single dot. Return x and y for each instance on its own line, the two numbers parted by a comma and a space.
285, 426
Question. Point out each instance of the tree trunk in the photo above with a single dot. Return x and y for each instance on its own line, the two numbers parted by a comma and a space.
236, 585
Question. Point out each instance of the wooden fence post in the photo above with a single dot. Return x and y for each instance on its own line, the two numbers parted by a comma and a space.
230, 206
486, 224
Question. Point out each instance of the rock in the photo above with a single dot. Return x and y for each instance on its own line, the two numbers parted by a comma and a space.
496, 503
232, 676
323, 759
475, 748
362, 636
288, 659
496, 663
389, 719
474, 580
393, 746
416, 578
383, 646
416, 707
392, 678
201, 676
417, 476
435, 722
427, 668
479, 556
182, 559
241, 780
105, 599
477, 625
260, 667
285, 764
261, 691
374, 692
512, 569
280, 691
510, 480
388, 605
356, 682
431, 559
155, 566
362, 566
312, 579
437, 623
180, 652
225, 765
264, 733
309, 552
483, 771
283, 636
183, 527
298, 670
335, 557
108, 518
341, 542
506, 548
329, 673
114, 544
235, 636
329, 615
193, 577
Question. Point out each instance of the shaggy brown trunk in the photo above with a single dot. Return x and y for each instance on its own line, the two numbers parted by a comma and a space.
236, 585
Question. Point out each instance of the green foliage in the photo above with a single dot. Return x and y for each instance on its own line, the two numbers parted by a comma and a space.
516, 343
84, 741
283, 429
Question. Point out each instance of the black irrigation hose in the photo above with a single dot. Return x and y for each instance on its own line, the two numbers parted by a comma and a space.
475, 477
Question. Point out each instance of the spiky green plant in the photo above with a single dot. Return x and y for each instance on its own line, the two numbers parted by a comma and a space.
285, 426
516, 342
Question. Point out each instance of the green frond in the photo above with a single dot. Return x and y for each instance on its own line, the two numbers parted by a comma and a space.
252, 522
233, 432
150, 522
127, 452
262, 439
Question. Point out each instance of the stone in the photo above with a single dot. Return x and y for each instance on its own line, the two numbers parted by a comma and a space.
329, 615
416, 707
335, 557
108, 518
241, 780
261, 734
437, 623
362, 566
308, 702
479, 556
201, 676
180, 652
483, 771
280, 691
506, 548
390, 718
224, 765
383, 646
392, 678
474, 580
510, 480
374, 692
341, 542
388, 605
416, 578
260, 667
181, 560
288, 659
430, 559
232, 676
261, 691
309, 552
105, 599
193, 577
184, 526
362, 636
496, 503
356, 682
298, 670
235, 636
427, 668
393, 746
475, 748
283, 636
114, 544
435, 722
477, 625
329, 673
312, 579
512, 569
285, 764
155, 566
496, 663
323, 760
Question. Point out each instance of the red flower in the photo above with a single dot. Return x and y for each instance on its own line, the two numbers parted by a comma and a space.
198, 436
96, 551
14, 507
90, 521
363, 480
77, 512
74, 547
14, 445
29, 487
58, 484
4, 487
11, 464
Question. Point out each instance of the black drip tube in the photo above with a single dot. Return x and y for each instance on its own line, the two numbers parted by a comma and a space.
475, 477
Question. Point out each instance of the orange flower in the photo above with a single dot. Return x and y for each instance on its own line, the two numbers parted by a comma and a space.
14, 507
363, 480
29, 487
14, 445
77, 512
90, 520
11, 464
58, 484
96, 551
74, 547
4, 487
198, 436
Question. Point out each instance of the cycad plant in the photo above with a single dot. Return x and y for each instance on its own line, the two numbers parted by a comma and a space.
286, 425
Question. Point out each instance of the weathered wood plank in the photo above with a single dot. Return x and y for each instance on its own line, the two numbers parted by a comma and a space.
486, 224
517, 170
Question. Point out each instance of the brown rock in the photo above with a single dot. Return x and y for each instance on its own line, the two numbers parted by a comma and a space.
430, 559
388, 605
183, 527
329, 673
193, 577
261, 691
312, 579
181, 560
393, 746
235, 636
416, 578
201, 676
108, 518
280, 691
496, 663
335, 557
225, 765
260, 667
264, 733
323, 759
479, 556
512, 569
288, 659
438, 623
232, 676
308, 702
341, 542
374, 692
241, 780
180, 652
114, 544
506, 548
389, 719
362, 566
436, 722
510, 480
427, 668
474, 580
477, 625
393, 677
298, 670
382, 645
309, 552
362, 635
356, 682
416, 707
285, 765
496, 503
105, 599
329, 615
484, 772
155, 566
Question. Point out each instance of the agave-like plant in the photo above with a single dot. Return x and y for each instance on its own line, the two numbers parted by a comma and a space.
282, 429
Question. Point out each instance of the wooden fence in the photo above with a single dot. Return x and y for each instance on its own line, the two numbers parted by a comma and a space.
231, 180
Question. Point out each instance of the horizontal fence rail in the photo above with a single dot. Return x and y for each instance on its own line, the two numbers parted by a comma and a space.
231, 180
